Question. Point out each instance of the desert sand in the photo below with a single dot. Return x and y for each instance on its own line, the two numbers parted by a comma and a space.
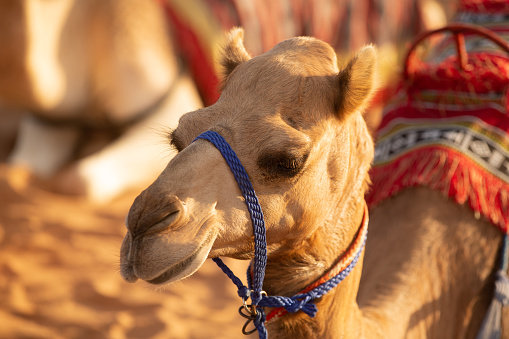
59, 272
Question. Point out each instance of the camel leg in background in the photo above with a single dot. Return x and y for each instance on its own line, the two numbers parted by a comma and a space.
138, 156
46, 157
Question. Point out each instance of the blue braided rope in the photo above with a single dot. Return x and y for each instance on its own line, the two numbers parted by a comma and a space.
255, 211
242, 290
259, 323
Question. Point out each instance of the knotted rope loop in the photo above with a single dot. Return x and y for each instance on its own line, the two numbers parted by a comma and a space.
251, 314
502, 288
491, 327
302, 304
244, 292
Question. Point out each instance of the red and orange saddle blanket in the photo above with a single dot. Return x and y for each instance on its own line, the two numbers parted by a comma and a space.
460, 150
448, 127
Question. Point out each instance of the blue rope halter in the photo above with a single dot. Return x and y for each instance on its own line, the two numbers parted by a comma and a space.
259, 299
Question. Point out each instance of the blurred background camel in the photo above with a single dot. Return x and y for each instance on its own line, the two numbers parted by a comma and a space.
78, 67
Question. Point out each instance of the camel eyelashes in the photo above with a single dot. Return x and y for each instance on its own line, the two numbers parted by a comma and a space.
281, 165
289, 164
175, 142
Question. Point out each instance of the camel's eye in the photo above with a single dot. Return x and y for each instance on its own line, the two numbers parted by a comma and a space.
282, 164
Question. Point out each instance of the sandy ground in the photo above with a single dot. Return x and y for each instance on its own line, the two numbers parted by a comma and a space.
59, 274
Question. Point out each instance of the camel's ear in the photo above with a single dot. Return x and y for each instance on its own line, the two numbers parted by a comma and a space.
234, 53
357, 82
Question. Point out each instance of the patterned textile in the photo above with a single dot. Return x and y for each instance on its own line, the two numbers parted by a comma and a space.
448, 129
198, 27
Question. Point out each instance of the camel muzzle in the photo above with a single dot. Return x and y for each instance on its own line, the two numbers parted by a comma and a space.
149, 214
152, 213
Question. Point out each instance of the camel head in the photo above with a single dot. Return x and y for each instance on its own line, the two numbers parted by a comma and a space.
295, 122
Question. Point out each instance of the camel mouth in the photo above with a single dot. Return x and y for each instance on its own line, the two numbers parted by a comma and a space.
185, 267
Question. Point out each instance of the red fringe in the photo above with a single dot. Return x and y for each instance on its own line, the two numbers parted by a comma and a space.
449, 172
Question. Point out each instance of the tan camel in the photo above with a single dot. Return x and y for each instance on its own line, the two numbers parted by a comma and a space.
295, 122
69, 64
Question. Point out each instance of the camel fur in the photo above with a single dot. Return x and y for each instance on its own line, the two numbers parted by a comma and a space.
295, 122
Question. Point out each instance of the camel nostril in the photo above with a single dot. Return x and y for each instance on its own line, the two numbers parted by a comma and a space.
165, 222
150, 219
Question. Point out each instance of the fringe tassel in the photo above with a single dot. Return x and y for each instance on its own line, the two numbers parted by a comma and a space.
449, 172
491, 327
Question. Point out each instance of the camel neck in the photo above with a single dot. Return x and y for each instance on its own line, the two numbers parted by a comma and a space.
300, 265
299, 269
